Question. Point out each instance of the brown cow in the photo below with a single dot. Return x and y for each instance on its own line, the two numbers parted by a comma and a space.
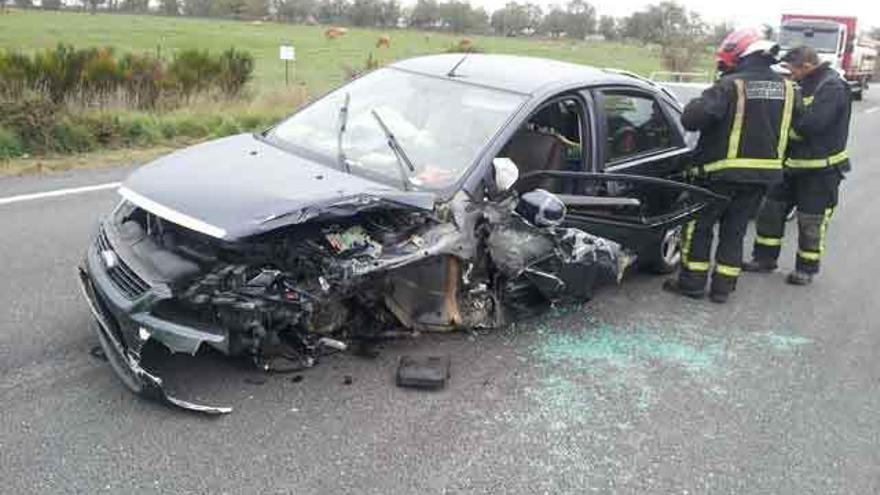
334, 32
383, 40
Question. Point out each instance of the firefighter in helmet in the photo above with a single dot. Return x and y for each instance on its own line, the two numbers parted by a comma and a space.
744, 120
815, 164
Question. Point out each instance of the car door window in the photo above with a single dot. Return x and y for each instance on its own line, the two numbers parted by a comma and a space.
552, 139
635, 125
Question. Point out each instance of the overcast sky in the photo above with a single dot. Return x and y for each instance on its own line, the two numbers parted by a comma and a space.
738, 11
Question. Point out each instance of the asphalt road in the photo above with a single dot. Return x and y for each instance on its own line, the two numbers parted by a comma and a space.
634, 392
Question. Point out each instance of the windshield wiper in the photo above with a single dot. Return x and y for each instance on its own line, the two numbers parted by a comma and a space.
343, 122
403, 161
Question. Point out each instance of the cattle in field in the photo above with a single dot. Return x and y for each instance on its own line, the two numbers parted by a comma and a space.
383, 40
334, 32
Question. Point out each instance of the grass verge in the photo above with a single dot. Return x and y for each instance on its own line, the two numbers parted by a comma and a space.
95, 159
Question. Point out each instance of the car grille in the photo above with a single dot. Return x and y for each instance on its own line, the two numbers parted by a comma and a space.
123, 277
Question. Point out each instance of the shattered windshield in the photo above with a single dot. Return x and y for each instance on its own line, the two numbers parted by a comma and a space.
823, 40
441, 124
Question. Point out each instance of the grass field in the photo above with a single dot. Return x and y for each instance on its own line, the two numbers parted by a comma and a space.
320, 62
321, 65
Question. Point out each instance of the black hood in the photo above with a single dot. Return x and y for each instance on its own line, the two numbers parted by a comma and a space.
240, 186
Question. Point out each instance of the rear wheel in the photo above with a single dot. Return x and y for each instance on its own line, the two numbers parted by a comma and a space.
664, 255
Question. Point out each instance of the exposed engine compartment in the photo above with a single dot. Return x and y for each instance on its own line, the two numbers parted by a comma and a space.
285, 297
277, 294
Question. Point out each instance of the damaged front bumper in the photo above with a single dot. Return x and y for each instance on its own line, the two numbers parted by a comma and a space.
122, 336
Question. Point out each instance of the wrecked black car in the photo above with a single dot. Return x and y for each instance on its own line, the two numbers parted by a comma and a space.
438, 193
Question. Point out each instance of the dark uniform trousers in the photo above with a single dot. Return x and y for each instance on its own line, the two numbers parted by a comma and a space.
744, 121
814, 193
816, 162
733, 220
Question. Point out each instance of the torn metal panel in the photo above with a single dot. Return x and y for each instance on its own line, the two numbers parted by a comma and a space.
126, 364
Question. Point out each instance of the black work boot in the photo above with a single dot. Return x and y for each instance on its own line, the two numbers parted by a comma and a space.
675, 286
799, 277
722, 286
719, 297
757, 265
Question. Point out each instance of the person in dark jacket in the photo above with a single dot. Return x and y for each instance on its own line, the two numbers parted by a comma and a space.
815, 164
744, 121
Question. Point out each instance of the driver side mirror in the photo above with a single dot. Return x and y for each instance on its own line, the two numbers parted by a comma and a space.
505, 173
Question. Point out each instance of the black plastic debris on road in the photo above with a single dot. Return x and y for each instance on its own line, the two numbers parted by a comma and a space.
424, 372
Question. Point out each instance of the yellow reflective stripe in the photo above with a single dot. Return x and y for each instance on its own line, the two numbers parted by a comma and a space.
808, 100
730, 271
817, 162
787, 110
688, 237
823, 229
810, 255
736, 130
794, 136
760, 163
838, 157
697, 266
768, 241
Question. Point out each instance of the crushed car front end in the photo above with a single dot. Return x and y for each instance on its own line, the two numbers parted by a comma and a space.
286, 297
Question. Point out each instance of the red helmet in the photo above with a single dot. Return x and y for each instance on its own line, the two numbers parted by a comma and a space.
740, 43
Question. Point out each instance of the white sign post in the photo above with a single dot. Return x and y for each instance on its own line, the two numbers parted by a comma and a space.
288, 54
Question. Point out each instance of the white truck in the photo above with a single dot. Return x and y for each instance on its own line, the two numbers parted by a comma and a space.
836, 39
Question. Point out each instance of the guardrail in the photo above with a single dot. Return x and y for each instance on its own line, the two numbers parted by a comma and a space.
672, 76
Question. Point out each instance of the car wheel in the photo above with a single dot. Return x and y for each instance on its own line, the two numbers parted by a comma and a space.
664, 255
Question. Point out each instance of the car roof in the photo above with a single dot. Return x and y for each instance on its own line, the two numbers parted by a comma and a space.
528, 75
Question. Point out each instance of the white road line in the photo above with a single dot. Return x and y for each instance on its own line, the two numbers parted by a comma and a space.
57, 192
872, 110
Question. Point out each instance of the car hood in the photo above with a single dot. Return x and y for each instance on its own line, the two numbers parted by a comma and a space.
240, 186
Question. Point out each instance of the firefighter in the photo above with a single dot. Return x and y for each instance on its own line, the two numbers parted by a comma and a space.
744, 121
815, 164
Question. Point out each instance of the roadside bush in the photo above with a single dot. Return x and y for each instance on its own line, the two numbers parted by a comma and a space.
34, 125
186, 126
193, 71
140, 130
10, 144
57, 72
97, 77
236, 69
31, 119
16, 74
105, 128
144, 78
101, 76
70, 136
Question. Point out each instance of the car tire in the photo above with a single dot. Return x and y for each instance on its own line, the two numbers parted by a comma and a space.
664, 255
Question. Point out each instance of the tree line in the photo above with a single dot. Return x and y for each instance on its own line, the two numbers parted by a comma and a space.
576, 19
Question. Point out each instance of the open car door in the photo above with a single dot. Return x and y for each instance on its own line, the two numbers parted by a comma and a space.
632, 210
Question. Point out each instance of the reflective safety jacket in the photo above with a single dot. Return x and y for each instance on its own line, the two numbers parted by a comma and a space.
821, 128
744, 121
